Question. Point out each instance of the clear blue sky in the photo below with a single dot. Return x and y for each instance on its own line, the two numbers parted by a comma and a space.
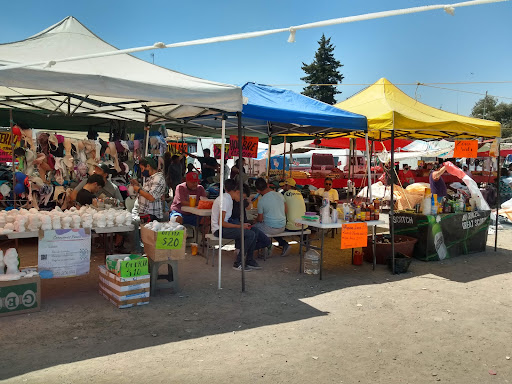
472, 46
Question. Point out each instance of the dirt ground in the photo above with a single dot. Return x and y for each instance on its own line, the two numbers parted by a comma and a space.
441, 322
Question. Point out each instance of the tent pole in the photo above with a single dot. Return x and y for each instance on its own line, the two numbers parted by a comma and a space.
291, 160
242, 208
498, 174
146, 128
351, 143
392, 203
221, 192
268, 154
284, 157
11, 124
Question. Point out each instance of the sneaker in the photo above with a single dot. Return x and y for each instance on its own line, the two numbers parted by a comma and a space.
238, 267
286, 250
252, 264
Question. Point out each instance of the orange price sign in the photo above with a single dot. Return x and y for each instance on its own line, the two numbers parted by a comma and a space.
249, 146
354, 235
466, 148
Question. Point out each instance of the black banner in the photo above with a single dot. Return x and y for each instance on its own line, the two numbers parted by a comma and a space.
446, 235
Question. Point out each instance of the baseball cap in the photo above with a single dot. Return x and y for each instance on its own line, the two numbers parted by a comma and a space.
291, 182
192, 177
105, 168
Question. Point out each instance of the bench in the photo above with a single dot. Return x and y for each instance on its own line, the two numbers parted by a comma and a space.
213, 241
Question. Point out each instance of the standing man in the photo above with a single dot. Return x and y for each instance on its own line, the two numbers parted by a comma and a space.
175, 173
437, 184
294, 203
108, 190
271, 218
182, 197
208, 166
333, 194
233, 231
151, 194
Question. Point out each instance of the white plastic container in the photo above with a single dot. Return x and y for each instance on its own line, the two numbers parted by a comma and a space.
312, 262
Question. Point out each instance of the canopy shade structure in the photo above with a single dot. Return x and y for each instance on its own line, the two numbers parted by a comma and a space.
344, 143
388, 108
113, 87
270, 111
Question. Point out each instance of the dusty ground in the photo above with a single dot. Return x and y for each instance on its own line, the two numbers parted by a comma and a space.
441, 322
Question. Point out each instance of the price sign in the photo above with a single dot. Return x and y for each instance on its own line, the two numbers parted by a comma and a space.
354, 235
466, 148
216, 151
134, 268
169, 240
249, 146
177, 148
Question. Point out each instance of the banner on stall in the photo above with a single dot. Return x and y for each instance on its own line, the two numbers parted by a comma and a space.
249, 146
217, 149
354, 235
466, 148
6, 144
65, 252
169, 240
177, 148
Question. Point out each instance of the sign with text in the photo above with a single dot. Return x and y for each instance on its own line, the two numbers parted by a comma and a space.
216, 151
466, 148
6, 145
169, 240
249, 146
65, 252
354, 235
177, 148
132, 268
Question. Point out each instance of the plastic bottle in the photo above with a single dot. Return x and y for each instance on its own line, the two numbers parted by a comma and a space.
427, 206
334, 216
433, 205
462, 204
312, 262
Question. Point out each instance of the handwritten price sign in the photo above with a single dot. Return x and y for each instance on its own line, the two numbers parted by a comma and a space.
177, 148
216, 151
134, 268
169, 240
249, 146
466, 148
354, 235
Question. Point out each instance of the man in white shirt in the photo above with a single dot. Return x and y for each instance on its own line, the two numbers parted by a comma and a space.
333, 194
233, 231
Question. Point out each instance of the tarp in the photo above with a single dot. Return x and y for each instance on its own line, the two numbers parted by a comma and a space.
118, 87
273, 111
344, 143
388, 108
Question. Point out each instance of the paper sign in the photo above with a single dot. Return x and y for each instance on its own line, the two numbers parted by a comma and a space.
6, 145
135, 268
249, 146
354, 235
177, 148
65, 252
169, 239
216, 151
466, 148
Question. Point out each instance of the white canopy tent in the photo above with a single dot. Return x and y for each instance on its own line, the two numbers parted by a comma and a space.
114, 87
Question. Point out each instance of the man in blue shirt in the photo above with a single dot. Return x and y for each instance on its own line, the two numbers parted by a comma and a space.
271, 218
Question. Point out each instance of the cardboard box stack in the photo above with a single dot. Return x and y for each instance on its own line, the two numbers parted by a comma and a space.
124, 292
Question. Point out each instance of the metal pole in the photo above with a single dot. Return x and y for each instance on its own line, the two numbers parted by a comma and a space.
351, 143
497, 195
221, 192
146, 127
392, 205
291, 160
11, 123
240, 153
284, 156
268, 154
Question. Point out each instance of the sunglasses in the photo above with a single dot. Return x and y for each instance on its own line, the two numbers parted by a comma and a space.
327, 184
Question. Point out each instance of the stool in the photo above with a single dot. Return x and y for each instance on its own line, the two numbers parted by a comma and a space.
171, 277
212, 244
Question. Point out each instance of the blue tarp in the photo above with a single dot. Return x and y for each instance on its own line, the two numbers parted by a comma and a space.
285, 106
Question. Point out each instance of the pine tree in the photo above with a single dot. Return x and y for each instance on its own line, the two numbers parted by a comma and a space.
323, 70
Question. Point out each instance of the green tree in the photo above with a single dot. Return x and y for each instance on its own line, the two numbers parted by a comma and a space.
501, 112
323, 70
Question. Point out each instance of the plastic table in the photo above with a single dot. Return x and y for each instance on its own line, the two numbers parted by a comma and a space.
206, 222
323, 227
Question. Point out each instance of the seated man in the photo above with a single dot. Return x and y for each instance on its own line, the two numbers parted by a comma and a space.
406, 176
333, 194
108, 190
182, 198
87, 195
262, 240
233, 231
294, 203
271, 213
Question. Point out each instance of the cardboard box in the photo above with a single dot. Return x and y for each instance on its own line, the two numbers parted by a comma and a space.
149, 239
20, 296
123, 292
136, 266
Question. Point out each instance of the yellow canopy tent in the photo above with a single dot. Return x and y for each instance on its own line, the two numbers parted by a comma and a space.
387, 108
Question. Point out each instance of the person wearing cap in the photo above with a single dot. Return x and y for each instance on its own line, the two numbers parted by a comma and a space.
182, 197
151, 193
294, 203
332, 193
109, 190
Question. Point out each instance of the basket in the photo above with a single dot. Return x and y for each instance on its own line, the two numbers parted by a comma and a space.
403, 245
402, 263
